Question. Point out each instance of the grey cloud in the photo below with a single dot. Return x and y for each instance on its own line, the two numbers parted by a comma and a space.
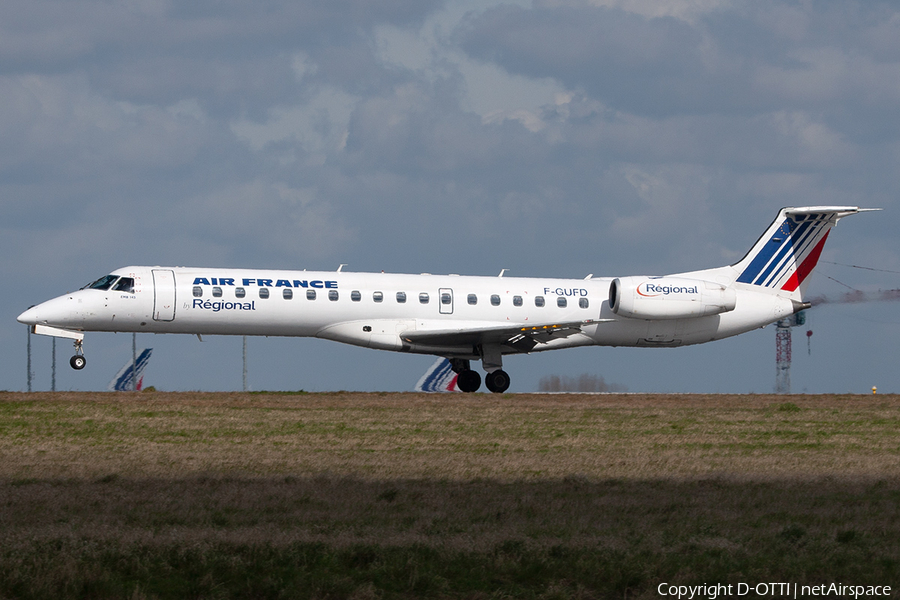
173, 133
233, 57
59, 129
758, 57
649, 65
447, 177
60, 119
413, 129
55, 33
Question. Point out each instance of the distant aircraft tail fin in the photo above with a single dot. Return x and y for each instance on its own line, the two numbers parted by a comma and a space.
122, 382
438, 378
783, 258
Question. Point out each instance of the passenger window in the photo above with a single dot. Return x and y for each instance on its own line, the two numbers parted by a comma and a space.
198, 291
287, 293
217, 292
583, 302
495, 300
333, 295
539, 301
239, 292
472, 299
401, 297
446, 299
310, 294
263, 292
561, 301
355, 296
517, 300
125, 284
423, 298
377, 296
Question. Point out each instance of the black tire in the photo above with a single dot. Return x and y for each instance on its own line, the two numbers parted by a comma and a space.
497, 381
468, 381
77, 362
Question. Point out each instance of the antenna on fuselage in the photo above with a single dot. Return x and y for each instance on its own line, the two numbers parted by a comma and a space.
502, 271
341, 267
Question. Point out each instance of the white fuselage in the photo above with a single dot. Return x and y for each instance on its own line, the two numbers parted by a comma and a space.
375, 309
460, 318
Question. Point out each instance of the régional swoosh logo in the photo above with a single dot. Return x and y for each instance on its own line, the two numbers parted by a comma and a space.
646, 295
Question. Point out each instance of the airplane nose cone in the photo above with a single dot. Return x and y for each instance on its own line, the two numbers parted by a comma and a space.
29, 317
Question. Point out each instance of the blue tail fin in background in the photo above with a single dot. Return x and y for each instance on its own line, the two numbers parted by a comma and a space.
438, 378
123, 381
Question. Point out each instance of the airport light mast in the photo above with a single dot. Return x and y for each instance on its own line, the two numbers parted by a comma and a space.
783, 351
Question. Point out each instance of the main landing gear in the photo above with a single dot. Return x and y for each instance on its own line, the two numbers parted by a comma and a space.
497, 381
78, 361
469, 381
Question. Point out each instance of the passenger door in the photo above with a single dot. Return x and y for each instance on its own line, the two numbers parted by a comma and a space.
163, 295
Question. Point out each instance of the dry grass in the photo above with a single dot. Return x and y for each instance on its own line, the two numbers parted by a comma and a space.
386, 436
410, 495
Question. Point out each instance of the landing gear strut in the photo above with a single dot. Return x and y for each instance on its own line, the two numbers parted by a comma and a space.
78, 361
497, 380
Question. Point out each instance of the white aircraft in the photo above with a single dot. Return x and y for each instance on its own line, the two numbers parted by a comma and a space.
461, 318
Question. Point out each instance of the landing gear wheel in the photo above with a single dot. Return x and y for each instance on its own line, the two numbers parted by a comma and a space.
77, 362
497, 381
468, 381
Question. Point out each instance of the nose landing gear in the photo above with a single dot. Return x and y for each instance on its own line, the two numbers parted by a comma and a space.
78, 361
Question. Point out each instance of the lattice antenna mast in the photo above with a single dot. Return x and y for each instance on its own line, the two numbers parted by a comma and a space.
783, 351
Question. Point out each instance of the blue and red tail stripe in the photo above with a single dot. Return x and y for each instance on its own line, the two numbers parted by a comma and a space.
789, 255
439, 378
806, 267
123, 380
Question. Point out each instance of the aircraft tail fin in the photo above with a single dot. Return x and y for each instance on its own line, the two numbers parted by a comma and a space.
124, 380
438, 378
784, 257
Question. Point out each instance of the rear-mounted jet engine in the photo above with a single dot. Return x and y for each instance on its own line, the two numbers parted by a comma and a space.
669, 298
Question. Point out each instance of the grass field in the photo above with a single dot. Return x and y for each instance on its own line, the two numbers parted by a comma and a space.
348, 495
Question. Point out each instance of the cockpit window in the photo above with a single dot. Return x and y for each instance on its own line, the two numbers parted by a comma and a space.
102, 284
125, 284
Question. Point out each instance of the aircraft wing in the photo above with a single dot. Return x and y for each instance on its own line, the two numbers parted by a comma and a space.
520, 337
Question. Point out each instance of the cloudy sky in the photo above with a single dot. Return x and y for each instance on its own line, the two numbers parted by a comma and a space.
553, 138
